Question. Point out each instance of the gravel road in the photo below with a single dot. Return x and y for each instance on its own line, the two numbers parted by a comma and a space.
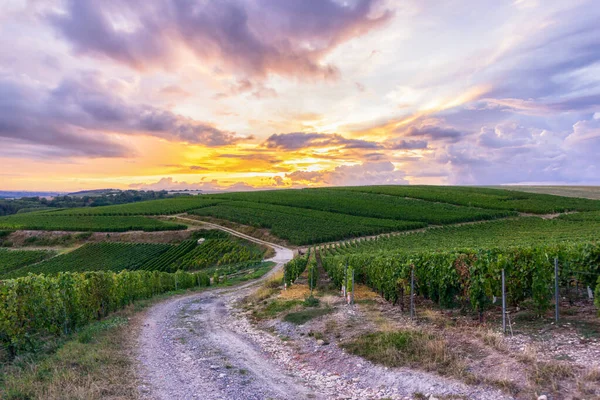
202, 346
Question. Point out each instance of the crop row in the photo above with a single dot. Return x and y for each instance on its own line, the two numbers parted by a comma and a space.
11, 260
98, 257
473, 276
216, 252
303, 226
151, 207
36, 307
294, 268
165, 260
370, 205
526, 231
43, 221
485, 198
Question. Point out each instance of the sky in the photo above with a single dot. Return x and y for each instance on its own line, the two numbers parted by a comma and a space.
245, 94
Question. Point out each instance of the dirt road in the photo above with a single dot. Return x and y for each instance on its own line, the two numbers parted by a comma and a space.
202, 346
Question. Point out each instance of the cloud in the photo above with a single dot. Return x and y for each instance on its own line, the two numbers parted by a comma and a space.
80, 116
256, 89
433, 132
303, 140
246, 37
407, 145
175, 91
367, 173
169, 183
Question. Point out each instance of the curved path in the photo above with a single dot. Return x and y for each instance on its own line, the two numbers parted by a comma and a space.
200, 346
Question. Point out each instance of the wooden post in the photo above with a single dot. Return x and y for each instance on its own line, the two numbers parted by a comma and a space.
412, 292
503, 303
556, 293
352, 295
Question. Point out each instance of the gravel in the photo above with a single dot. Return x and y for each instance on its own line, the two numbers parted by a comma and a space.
202, 346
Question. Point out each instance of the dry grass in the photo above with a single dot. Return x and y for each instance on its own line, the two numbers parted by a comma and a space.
95, 364
295, 292
411, 348
549, 374
270, 287
492, 339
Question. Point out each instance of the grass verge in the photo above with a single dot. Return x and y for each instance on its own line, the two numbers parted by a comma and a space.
410, 348
94, 363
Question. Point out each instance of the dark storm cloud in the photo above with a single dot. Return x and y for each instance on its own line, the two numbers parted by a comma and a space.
251, 37
433, 132
75, 116
302, 140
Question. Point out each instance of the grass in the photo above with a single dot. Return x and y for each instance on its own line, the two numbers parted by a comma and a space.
302, 317
410, 348
91, 364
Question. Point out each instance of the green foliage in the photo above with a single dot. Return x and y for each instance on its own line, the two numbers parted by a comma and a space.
472, 275
302, 317
526, 231
219, 252
303, 226
98, 257
369, 205
152, 207
165, 261
294, 268
52, 222
11, 260
485, 198
39, 306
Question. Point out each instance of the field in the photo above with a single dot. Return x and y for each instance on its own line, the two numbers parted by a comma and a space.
152, 207
586, 192
370, 205
14, 259
303, 226
98, 257
526, 231
50, 222
218, 249
485, 198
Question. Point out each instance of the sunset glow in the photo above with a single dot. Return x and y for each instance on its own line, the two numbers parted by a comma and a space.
243, 94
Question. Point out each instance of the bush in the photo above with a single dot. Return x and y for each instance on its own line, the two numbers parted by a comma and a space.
35, 307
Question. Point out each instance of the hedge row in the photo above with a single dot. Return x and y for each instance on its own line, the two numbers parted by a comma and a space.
36, 307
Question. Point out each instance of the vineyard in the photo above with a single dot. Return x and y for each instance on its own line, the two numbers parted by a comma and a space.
526, 231
303, 226
97, 257
216, 252
371, 205
473, 276
11, 260
485, 198
36, 307
49, 221
218, 249
152, 207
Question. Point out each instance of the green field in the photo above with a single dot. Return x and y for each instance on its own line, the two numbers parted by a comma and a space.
152, 207
97, 257
526, 231
370, 205
11, 260
50, 222
310, 216
218, 249
535, 203
303, 226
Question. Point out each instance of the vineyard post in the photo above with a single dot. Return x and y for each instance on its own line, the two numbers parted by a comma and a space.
352, 295
345, 280
556, 293
503, 303
412, 292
